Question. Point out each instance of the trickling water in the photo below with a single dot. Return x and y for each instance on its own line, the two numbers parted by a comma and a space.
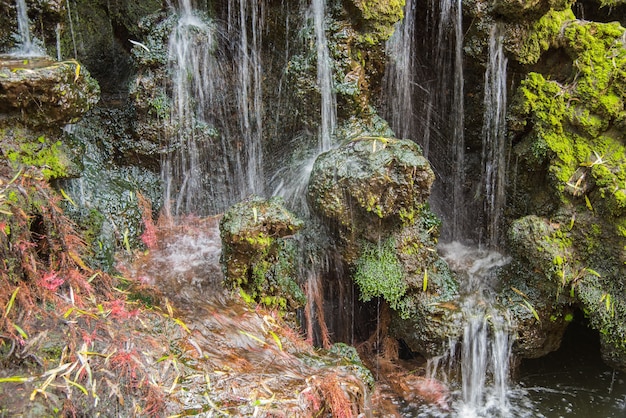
250, 100
324, 77
214, 159
57, 32
26, 47
194, 71
400, 73
494, 137
458, 120
482, 356
427, 105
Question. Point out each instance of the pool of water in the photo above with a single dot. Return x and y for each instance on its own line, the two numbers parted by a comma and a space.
573, 381
570, 382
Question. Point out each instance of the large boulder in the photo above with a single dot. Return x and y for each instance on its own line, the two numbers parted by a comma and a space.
369, 184
372, 192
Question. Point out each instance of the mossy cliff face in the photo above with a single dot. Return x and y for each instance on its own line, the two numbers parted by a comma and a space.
567, 123
257, 257
356, 31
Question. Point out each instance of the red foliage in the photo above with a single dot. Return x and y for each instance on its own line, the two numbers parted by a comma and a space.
149, 236
51, 281
118, 309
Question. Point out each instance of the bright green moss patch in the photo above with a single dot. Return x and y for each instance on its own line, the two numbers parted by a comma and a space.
380, 274
577, 126
47, 155
542, 35
378, 19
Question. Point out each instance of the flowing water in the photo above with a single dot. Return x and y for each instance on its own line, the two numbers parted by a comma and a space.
494, 138
328, 106
250, 97
425, 100
399, 76
214, 159
26, 45
480, 360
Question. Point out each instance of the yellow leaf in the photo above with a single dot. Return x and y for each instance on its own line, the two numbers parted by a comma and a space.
67, 197
77, 72
11, 302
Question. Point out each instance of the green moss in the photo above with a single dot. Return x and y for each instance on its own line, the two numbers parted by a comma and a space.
41, 153
255, 257
576, 127
542, 35
378, 273
378, 18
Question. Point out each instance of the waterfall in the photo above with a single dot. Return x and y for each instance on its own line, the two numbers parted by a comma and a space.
324, 77
250, 98
213, 153
425, 100
482, 355
458, 120
194, 70
27, 47
494, 138
399, 76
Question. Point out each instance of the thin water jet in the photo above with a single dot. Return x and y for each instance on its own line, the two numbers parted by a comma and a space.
494, 139
328, 108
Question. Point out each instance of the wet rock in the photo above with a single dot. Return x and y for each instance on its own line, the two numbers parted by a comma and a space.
373, 191
368, 183
105, 196
257, 256
38, 92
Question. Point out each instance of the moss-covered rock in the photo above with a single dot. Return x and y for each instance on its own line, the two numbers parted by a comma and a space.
55, 156
375, 19
527, 9
535, 286
104, 198
40, 92
257, 257
369, 182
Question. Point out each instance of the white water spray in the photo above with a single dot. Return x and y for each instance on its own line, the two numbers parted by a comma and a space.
214, 155
428, 106
482, 356
250, 99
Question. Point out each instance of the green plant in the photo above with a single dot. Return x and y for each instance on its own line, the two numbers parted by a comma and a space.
379, 273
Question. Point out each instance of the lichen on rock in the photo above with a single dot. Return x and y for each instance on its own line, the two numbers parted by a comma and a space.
257, 256
41, 92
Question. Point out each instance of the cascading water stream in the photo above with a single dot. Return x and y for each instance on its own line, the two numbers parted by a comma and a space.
482, 355
193, 73
27, 47
250, 99
400, 73
494, 138
324, 77
212, 159
420, 105
480, 359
